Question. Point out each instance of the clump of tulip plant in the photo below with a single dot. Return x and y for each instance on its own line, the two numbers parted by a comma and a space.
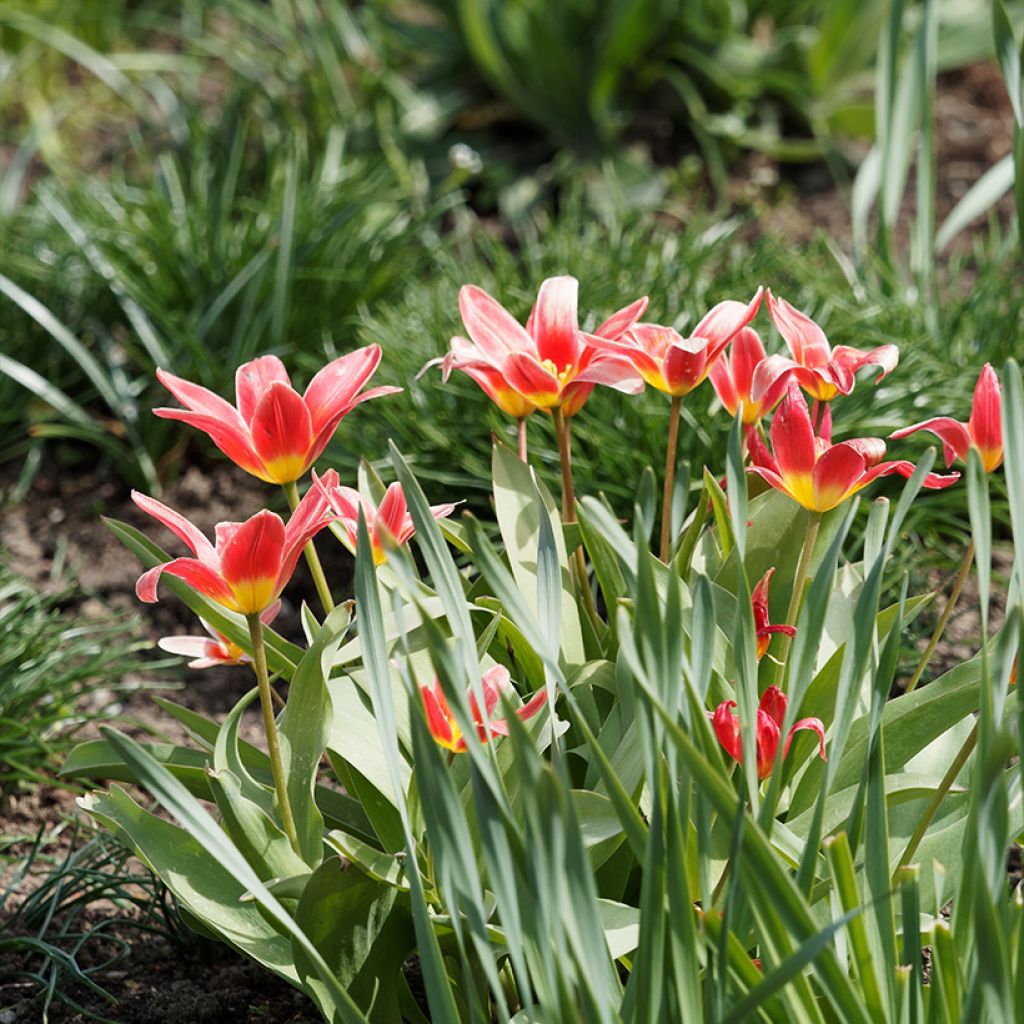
580, 769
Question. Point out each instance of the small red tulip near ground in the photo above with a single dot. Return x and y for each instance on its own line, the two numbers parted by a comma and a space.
764, 628
273, 432
676, 365
983, 431
817, 474
732, 376
549, 364
388, 524
496, 682
822, 371
215, 649
770, 714
251, 562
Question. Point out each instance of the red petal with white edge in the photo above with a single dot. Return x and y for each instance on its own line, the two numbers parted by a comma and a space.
985, 426
952, 433
311, 515
806, 340
199, 399
815, 725
727, 729
531, 380
491, 326
253, 556
252, 380
621, 321
885, 357
233, 440
334, 388
932, 482
837, 475
190, 647
556, 327
612, 371
687, 363
282, 433
769, 375
321, 440
495, 681
724, 320
392, 514
184, 530
196, 574
871, 448
793, 435
773, 704
574, 397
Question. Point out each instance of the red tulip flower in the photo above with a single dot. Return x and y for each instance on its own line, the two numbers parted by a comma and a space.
388, 524
676, 365
822, 371
549, 364
215, 649
274, 432
441, 721
770, 714
817, 474
983, 431
251, 562
764, 628
733, 376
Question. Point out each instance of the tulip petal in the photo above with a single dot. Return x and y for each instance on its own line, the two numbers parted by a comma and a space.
199, 399
885, 357
438, 717
233, 441
932, 482
806, 340
727, 729
311, 515
282, 433
185, 531
333, 391
531, 380
837, 475
621, 320
495, 681
556, 327
613, 372
952, 433
793, 437
491, 326
985, 426
686, 365
392, 515
814, 725
724, 320
251, 560
773, 704
253, 379
767, 743
196, 574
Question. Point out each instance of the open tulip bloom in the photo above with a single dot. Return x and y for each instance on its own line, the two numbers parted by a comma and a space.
548, 364
496, 683
732, 377
272, 431
215, 649
388, 524
251, 562
771, 713
817, 474
671, 363
821, 370
983, 431
764, 629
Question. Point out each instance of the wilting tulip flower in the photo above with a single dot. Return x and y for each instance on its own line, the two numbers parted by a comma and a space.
677, 365
388, 524
817, 474
765, 629
732, 376
822, 371
549, 364
770, 714
982, 431
215, 649
251, 562
274, 432
495, 681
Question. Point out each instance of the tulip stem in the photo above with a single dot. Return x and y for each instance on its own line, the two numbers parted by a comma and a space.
312, 558
670, 477
259, 664
521, 431
569, 515
940, 626
796, 597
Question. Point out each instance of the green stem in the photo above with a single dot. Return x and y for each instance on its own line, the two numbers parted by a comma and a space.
312, 558
940, 626
796, 598
259, 664
569, 515
521, 430
940, 794
670, 477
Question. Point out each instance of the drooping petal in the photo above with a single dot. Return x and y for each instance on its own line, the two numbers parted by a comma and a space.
885, 357
555, 326
196, 574
621, 320
282, 433
253, 379
952, 433
932, 482
184, 530
334, 390
815, 725
491, 326
985, 424
806, 340
251, 560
